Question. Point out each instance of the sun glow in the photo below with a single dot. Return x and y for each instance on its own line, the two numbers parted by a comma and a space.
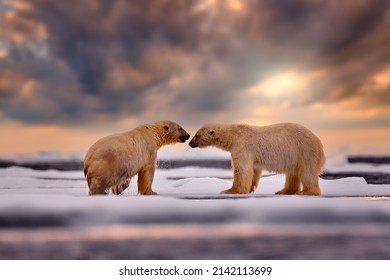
284, 84
278, 85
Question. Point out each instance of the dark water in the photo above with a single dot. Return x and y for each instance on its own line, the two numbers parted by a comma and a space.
159, 243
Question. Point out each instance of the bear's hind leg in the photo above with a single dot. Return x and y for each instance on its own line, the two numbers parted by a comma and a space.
310, 186
118, 189
292, 184
96, 187
145, 179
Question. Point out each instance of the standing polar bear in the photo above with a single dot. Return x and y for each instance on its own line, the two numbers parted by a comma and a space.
284, 148
114, 159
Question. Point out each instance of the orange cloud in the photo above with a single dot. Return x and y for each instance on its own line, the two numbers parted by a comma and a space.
20, 29
11, 84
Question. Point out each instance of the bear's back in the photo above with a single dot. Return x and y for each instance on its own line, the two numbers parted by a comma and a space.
279, 146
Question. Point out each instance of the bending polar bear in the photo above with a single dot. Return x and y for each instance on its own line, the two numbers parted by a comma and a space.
114, 159
284, 148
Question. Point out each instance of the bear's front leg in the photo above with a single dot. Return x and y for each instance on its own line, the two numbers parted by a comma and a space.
145, 179
255, 179
242, 179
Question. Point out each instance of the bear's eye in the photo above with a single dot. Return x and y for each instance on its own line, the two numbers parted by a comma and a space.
180, 129
211, 132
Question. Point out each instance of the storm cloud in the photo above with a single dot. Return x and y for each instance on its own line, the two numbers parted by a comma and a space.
78, 61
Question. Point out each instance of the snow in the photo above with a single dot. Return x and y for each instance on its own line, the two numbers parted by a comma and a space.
187, 195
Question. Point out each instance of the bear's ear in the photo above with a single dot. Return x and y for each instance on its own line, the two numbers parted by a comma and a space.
166, 127
211, 131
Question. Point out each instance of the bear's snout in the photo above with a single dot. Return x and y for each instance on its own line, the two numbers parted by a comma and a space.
184, 137
193, 143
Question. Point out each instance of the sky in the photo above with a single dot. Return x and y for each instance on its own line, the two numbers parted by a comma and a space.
74, 71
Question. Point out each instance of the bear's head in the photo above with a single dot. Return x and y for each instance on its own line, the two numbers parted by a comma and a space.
204, 137
173, 133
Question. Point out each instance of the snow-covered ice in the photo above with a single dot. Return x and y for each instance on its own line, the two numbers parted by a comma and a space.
49, 215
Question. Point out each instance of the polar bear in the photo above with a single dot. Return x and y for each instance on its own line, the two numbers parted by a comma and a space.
114, 159
283, 148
